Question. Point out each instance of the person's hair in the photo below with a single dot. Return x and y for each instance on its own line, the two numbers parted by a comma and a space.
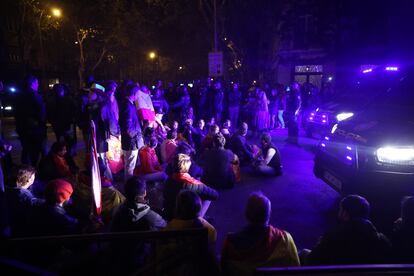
57, 147
57, 88
172, 134
243, 128
110, 84
219, 141
131, 89
188, 205
407, 211
213, 129
182, 163
184, 148
258, 208
357, 207
266, 138
134, 187
24, 173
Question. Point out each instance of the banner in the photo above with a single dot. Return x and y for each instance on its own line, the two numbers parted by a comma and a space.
144, 107
95, 174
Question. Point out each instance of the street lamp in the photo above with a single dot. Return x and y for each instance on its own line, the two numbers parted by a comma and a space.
152, 55
56, 12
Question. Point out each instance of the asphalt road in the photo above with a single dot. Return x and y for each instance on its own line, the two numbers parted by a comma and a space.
301, 204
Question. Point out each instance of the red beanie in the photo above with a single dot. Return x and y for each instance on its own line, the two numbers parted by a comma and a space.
58, 191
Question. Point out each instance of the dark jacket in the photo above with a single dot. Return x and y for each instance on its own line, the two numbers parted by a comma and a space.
30, 115
99, 115
353, 242
135, 216
61, 113
173, 188
20, 204
217, 168
50, 219
239, 146
130, 128
403, 243
234, 98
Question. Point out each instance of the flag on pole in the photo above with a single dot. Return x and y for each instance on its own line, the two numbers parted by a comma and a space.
95, 174
145, 108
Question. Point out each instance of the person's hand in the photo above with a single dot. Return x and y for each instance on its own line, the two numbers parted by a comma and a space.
7, 148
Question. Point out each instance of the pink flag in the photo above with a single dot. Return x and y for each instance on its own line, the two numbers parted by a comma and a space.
95, 174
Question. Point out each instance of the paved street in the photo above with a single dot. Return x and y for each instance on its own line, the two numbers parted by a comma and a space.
301, 204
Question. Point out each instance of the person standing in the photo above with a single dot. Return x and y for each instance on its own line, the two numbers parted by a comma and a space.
281, 106
262, 113
131, 134
218, 101
293, 105
31, 122
273, 108
234, 98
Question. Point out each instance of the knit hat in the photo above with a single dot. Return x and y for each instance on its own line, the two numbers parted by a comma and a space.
58, 191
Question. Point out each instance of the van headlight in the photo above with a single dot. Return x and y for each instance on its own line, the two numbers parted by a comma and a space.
344, 116
396, 155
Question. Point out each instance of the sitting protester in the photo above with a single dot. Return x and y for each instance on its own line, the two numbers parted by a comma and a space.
150, 168
238, 144
268, 162
226, 130
198, 133
354, 241
207, 143
55, 165
195, 170
179, 180
110, 196
20, 201
259, 244
217, 164
50, 218
187, 215
135, 214
169, 146
402, 238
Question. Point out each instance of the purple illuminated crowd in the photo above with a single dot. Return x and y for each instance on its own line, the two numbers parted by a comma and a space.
163, 175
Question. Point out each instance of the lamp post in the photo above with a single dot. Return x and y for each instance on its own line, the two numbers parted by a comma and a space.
153, 57
55, 12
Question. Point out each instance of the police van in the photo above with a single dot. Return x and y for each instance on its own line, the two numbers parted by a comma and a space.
372, 152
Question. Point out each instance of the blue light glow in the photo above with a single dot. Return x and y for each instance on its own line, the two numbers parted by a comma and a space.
326, 138
349, 158
391, 68
12, 89
367, 71
323, 145
348, 148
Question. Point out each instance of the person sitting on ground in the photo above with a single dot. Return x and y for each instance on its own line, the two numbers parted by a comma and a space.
402, 238
179, 180
354, 241
187, 215
226, 130
20, 201
55, 165
198, 134
169, 146
50, 218
239, 145
195, 170
208, 140
217, 164
268, 162
259, 244
135, 214
111, 198
150, 168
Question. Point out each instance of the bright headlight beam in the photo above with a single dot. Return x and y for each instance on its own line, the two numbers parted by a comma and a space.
334, 128
344, 116
396, 155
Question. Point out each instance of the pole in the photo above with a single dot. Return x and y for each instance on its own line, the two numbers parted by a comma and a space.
215, 25
42, 66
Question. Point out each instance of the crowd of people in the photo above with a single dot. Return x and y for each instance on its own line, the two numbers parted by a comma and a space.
183, 158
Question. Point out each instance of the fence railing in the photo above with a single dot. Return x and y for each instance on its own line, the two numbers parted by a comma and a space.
167, 251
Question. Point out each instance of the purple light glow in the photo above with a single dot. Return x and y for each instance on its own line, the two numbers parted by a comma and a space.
391, 68
324, 116
312, 114
349, 158
323, 121
326, 138
310, 118
348, 148
323, 145
367, 71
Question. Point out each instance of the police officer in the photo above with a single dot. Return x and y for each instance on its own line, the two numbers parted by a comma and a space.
293, 105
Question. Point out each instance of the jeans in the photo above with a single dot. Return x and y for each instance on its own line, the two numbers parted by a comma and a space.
204, 207
280, 117
130, 161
